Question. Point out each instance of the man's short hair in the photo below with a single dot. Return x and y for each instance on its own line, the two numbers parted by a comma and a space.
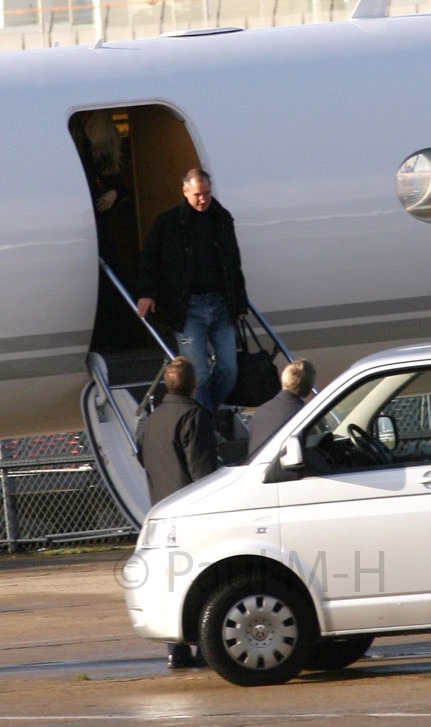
298, 377
196, 173
179, 377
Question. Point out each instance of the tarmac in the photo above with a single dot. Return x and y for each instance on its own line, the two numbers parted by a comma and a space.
69, 656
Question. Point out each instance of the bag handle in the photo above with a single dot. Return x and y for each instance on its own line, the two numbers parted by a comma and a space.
241, 336
242, 326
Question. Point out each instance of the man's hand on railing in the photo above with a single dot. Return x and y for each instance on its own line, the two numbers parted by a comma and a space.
146, 305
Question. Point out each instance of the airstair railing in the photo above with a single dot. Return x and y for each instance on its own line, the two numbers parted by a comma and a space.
102, 384
278, 343
279, 346
100, 377
128, 298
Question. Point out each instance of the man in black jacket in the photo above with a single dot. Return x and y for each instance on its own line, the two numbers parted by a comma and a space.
178, 447
190, 276
297, 381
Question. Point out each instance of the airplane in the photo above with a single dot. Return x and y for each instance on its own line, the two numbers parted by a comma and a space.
317, 139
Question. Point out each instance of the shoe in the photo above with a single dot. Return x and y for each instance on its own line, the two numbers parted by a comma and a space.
187, 663
180, 657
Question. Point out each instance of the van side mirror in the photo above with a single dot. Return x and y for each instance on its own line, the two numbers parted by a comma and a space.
292, 456
287, 464
386, 431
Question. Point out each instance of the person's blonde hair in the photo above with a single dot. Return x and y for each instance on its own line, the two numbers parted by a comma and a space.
298, 377
105, 141
179, 377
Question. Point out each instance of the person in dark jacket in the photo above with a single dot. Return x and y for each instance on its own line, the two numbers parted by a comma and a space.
178, 447
190, 276
297, 381
178, 442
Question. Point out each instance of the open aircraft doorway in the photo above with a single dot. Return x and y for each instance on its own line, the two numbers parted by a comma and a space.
155, 151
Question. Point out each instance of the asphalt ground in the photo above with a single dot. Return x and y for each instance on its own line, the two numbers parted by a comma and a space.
68, 656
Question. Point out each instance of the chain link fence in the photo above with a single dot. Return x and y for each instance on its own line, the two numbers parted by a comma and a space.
52, 493
413, 419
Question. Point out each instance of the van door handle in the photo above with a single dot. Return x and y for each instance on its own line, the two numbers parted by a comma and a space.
425, 480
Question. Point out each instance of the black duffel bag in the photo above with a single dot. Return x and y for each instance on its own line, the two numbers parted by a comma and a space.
258, 379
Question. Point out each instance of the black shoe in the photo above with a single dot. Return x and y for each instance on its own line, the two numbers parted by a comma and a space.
188, 662
180, 656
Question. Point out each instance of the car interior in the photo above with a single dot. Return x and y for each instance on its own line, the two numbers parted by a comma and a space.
385, 421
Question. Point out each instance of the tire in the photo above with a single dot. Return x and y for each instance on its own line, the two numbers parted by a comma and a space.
255, 632
330, 654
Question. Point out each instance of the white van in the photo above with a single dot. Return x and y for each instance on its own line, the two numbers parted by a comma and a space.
300, 556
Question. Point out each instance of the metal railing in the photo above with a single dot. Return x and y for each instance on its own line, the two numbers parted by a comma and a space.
103, 388
129, 300
51, 491
277, 343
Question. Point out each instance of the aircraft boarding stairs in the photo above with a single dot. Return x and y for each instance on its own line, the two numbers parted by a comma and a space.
125, 385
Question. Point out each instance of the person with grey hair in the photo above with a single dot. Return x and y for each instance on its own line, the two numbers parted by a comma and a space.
297, 381
190, 277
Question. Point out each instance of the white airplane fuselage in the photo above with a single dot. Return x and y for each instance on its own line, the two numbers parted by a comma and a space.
303, 130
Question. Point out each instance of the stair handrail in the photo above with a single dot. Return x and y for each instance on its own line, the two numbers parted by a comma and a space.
278, 343
101, 381
128, 298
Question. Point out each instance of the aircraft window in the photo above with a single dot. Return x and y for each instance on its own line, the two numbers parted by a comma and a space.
413, 185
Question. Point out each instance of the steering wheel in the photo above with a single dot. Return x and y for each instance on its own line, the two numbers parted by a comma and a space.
369, 446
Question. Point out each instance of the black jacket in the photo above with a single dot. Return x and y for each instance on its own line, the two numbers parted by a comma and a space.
166, 263
178, 445
271, 416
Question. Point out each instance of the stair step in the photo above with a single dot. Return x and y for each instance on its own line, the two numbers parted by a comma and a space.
132, 366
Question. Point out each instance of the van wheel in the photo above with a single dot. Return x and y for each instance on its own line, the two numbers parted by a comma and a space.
338, 653
254, 631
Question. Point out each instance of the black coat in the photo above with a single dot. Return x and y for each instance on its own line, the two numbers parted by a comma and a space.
166, 263
178, 445
271, 416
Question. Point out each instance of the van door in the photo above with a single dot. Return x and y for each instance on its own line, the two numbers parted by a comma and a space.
357, 525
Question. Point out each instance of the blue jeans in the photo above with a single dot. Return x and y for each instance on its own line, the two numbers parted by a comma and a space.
208, 329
